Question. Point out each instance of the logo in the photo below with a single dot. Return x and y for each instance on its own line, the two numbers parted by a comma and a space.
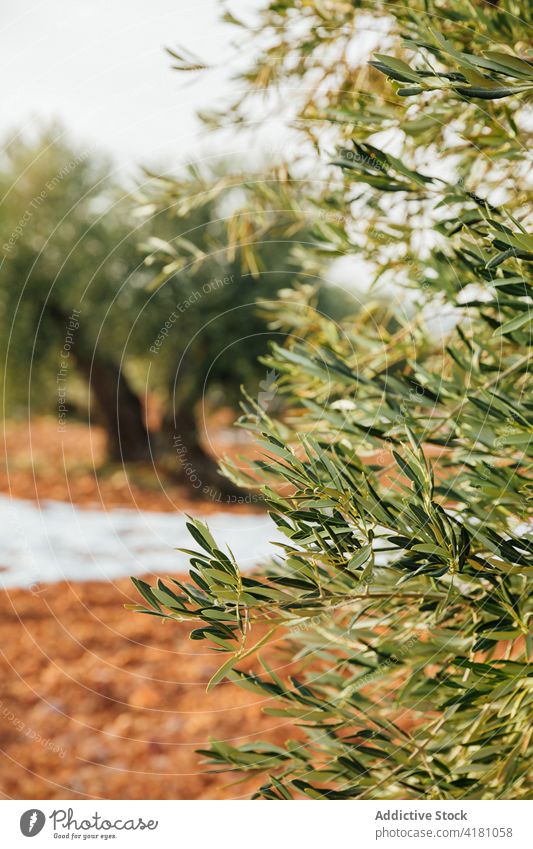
269, 389
32, 822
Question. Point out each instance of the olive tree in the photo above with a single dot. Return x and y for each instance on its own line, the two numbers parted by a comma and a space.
402, 478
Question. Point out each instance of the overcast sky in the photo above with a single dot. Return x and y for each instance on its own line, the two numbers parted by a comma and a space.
100, 68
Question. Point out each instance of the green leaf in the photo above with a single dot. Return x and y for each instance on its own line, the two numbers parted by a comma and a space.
222, 672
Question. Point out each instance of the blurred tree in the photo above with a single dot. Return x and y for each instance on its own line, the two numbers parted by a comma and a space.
223, 243
67, 245
402, 482
173, 314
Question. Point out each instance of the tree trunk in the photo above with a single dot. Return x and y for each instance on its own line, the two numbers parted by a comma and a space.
119, 408
189, 459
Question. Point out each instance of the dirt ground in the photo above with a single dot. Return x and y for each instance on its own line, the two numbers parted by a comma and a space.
38, 463
99, 702
96, 701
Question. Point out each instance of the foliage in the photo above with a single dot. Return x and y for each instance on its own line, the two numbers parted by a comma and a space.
66, 245
402, 478
167, 313
210, 286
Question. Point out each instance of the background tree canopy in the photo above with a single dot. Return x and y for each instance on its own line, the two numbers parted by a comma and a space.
159, 307
402, 477
68, 245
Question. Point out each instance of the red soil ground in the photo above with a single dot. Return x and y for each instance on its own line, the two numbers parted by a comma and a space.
99, 702
39, 463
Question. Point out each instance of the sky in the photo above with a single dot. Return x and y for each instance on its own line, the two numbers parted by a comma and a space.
100, 68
